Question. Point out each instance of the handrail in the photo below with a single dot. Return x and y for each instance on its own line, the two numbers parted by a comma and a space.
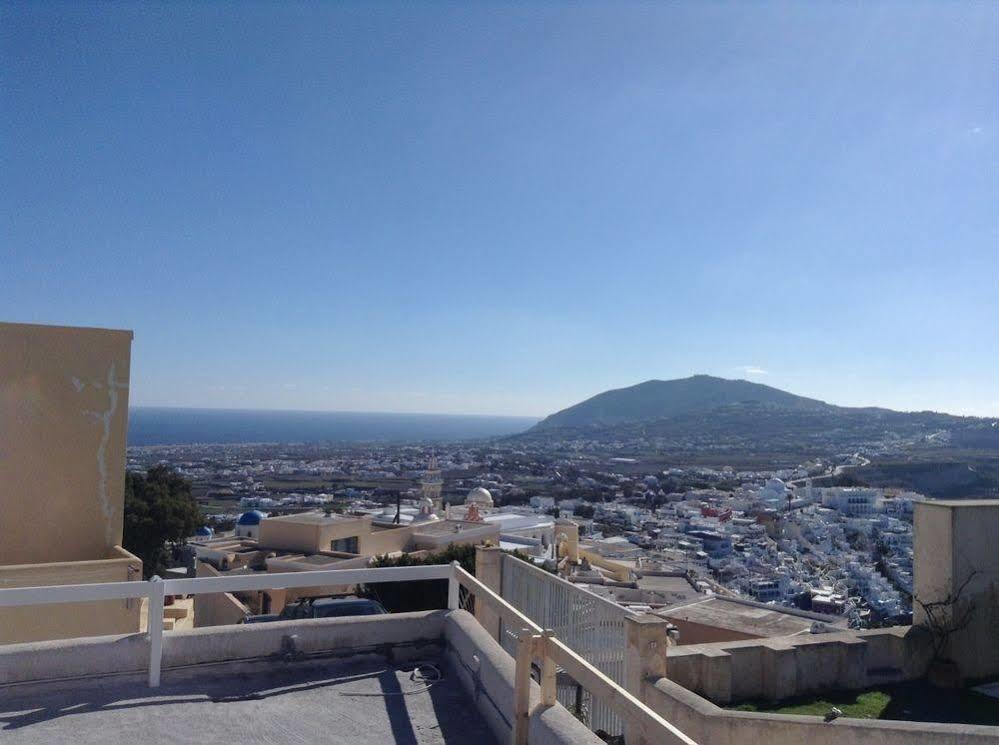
288, 580
555, 579
156, 590
49, 594
599, 685
653, 728
511, 616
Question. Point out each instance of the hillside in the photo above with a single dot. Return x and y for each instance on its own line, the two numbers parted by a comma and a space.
657, 399
707, 415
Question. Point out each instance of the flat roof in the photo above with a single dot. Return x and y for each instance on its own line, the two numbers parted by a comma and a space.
763, 621
960, 502
353, 701
671, 590
317, 559
58, 329
451, 527
513, 521
317, 518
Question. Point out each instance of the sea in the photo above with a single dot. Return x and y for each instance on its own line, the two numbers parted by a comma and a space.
181, 426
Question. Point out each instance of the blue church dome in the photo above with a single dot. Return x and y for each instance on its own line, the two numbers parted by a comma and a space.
253, 517
205, 532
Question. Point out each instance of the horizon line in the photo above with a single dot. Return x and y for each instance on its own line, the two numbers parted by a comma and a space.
330, 411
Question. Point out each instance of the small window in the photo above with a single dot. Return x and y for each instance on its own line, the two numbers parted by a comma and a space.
345, 545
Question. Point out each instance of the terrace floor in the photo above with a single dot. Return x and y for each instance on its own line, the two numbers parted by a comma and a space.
328, 701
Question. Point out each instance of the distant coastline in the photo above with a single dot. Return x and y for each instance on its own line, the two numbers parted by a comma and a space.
154, 425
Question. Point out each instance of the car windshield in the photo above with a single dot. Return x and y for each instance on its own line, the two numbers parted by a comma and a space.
332, 609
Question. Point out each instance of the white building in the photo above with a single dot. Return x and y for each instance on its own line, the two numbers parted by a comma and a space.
852, 501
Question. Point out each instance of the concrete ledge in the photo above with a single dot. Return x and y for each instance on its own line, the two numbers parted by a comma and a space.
706, 723
780, 667
73, 658
403, 635
487, 672
339, 636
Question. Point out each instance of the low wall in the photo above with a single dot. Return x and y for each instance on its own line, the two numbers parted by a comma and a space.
706, 723
408, 635
40, 622
216, 608
692, 633
781, 667
278, 565
487, 673
340, 637
385, 541
621, 573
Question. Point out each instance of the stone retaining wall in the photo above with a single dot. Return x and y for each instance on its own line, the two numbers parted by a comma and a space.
781, 667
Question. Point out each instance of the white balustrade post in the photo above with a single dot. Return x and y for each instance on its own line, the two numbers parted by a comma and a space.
454, 588
548, 671
154, 626
522, 686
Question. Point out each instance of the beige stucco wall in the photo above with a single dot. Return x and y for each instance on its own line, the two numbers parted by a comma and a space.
278, 534
63, 420
68, 620
567, 538
216, 609
620, 572
379, 542
309, 537
472, 534
337, 530
290, 534
280, 598
692, 632
952, 540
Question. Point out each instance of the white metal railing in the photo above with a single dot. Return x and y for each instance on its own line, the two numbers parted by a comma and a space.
591, 625
156, 590
533, 641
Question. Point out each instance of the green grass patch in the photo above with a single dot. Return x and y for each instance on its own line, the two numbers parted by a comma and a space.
913, 702
866, 705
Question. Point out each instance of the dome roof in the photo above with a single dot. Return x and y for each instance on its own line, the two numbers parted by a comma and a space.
478, 495
426, 513
253, 517
205, 532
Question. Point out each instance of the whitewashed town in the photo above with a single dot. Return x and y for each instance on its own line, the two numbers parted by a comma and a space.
768, 537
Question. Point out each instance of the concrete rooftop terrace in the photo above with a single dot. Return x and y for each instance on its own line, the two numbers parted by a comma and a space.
342, 680
330, 701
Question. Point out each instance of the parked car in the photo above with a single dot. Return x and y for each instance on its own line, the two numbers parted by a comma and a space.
322, 608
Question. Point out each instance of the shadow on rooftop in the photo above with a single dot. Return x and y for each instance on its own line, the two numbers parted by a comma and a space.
19, 710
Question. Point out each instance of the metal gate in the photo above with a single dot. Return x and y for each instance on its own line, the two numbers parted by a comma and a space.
590, 625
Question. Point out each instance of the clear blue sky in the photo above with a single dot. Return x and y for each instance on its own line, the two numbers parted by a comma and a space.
487, 208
